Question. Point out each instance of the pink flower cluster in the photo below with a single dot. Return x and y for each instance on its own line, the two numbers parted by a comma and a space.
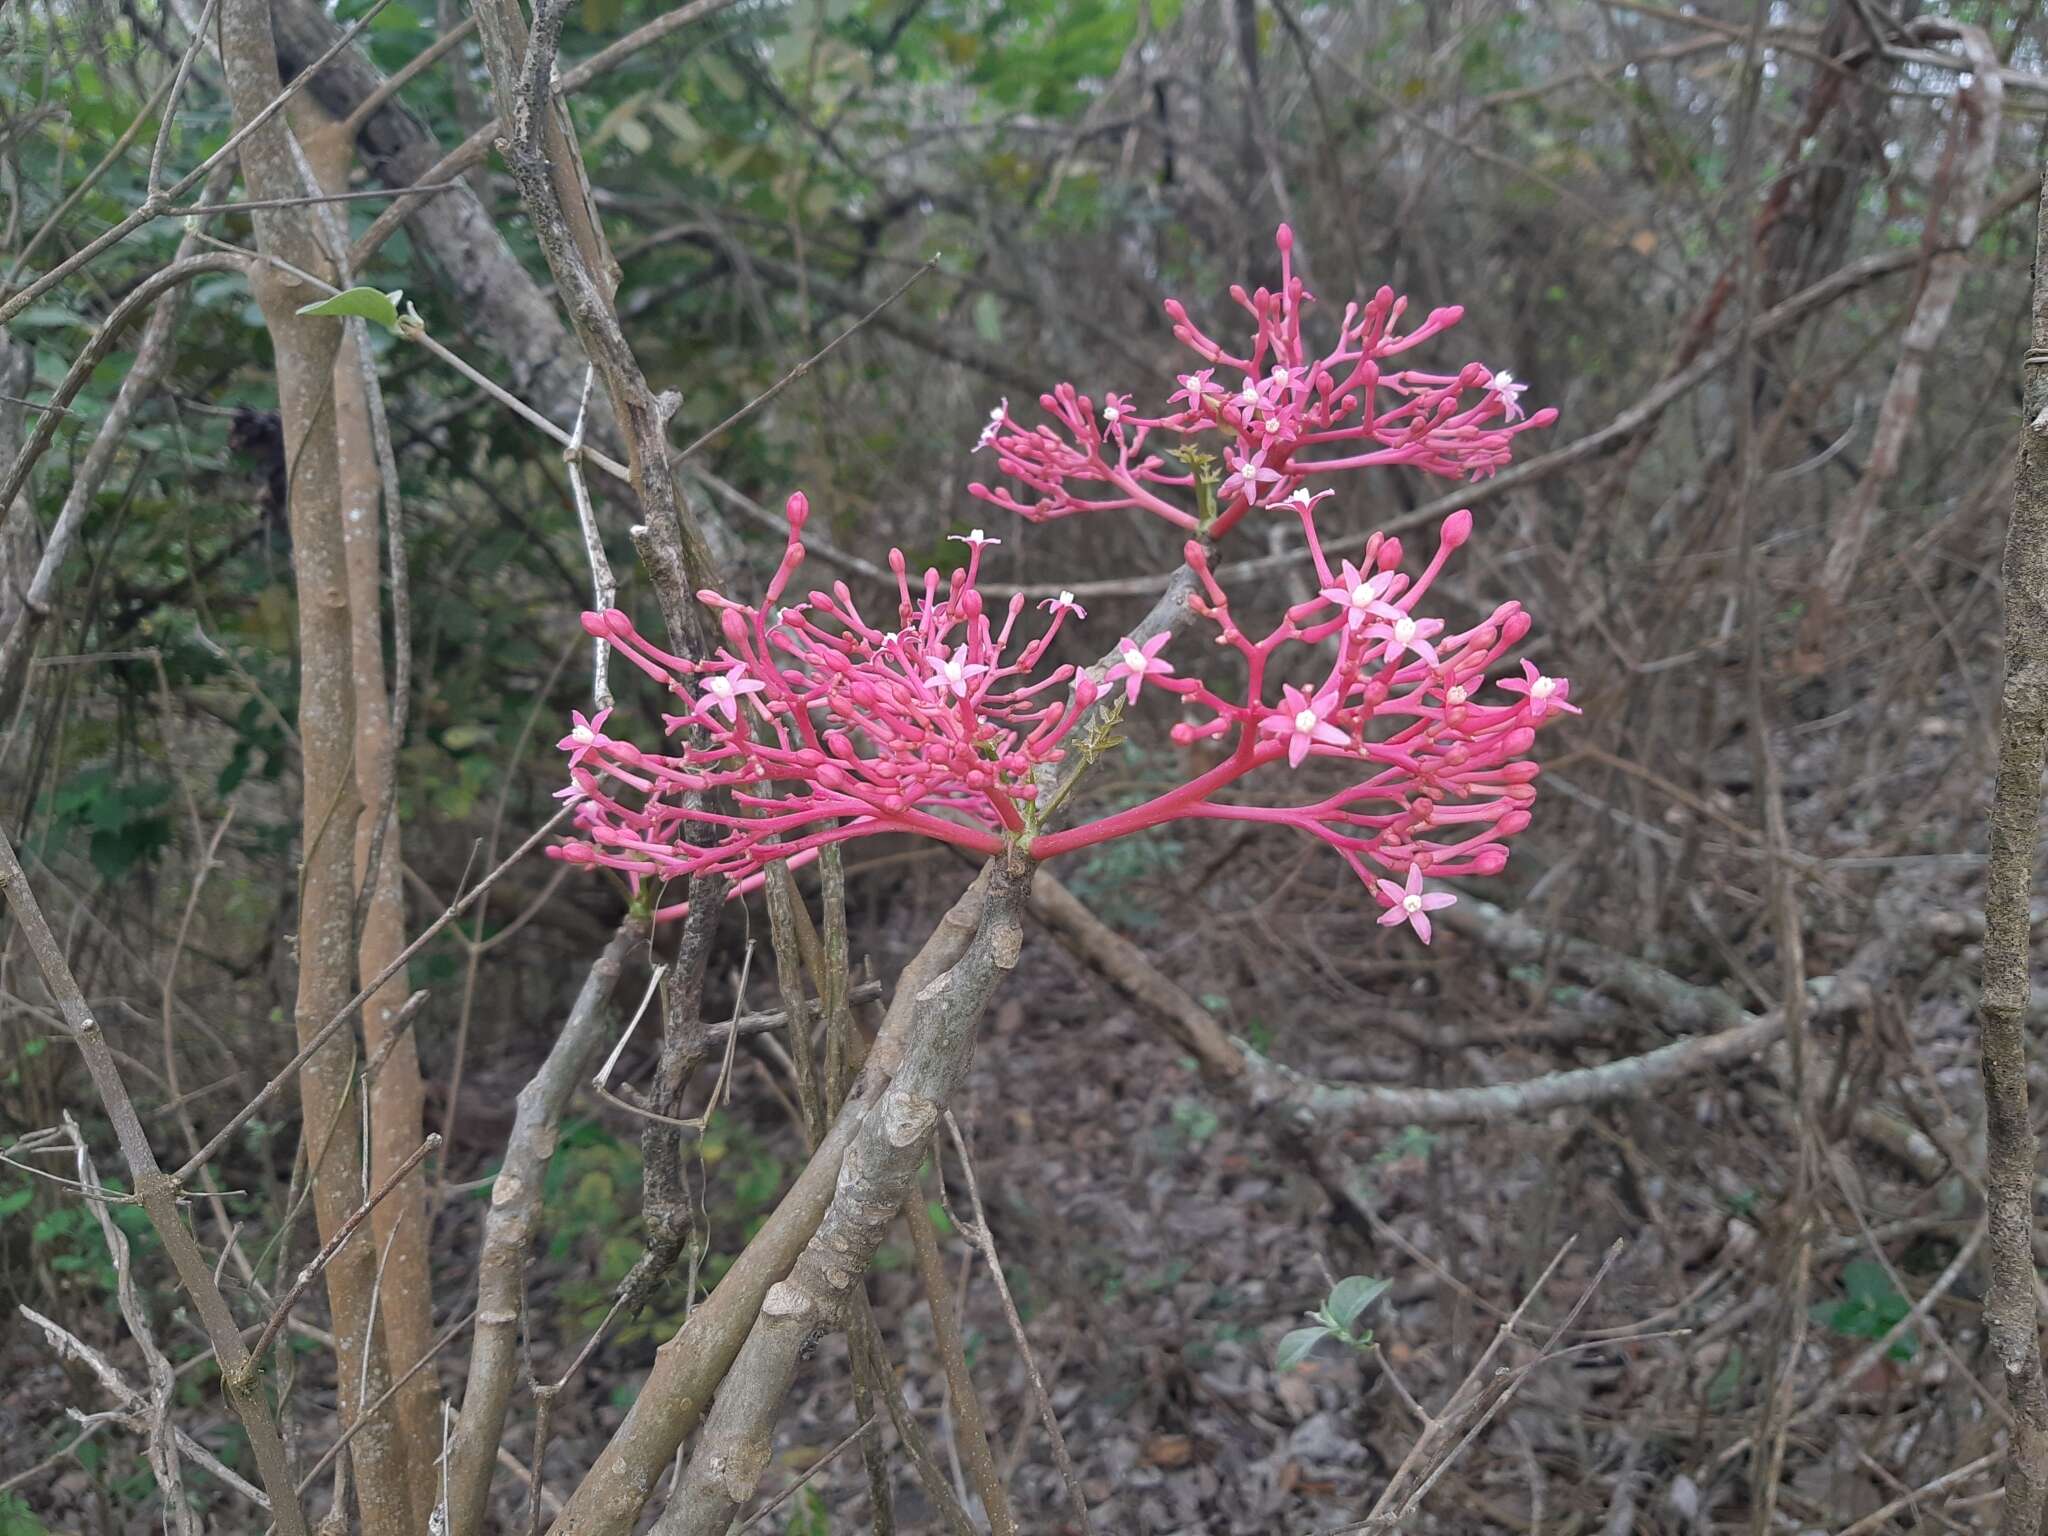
1284, 416
1360, 677
822, 726
812, 725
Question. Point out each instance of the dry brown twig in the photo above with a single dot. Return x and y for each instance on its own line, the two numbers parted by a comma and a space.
508, 1230
2012, 1311
982, 1238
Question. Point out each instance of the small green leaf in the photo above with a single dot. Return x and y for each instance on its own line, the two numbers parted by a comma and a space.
1352, 1296
360, 304
17, 1519
1295, 1347
1867, 1281
633, 133
988, 318
1726, 1380
1194, 1120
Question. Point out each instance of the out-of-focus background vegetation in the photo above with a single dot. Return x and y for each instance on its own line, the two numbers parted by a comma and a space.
1613, 189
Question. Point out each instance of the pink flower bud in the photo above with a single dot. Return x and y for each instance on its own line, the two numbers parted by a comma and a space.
1284, 238
1515, 626
734, 623
1491, 859
1457, 528
797, 509
1389, 556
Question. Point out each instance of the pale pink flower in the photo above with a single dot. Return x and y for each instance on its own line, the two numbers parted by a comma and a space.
1403, 633
954, 672
1137, 662
1508, 390
975, 540
1194, 388
1247, 475
1411, 904
1064, 603
996, 418
1358, 594
1300, 720
586, 735
724, 690
1544, 693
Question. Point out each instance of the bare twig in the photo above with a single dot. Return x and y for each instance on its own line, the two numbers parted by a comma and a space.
327, 1031
810, 1472
2012, 1310
982, 1236
803, 368
334, 1245
508, 1232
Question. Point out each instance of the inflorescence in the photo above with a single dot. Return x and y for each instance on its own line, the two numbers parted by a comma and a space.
814, 724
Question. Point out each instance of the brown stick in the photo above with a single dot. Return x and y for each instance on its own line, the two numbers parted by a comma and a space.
2011, 1310
331, 1249
396, 1095
1972, 151
305, 350
508, 1234
343, 1014
980, 1461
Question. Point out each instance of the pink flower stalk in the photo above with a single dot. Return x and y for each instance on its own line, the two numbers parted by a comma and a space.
1436, 771
1283, 413
822, 726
